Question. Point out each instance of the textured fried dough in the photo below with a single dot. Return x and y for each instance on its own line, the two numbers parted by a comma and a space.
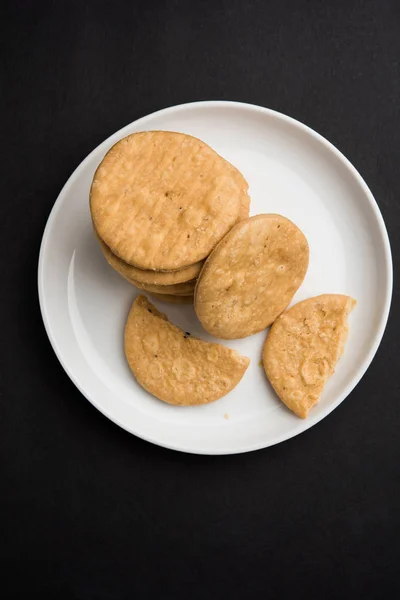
179, 289
149, 277
162, 200
244, 208
174, 366
251, 276
303, 347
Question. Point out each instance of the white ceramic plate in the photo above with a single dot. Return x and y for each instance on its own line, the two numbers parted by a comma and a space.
291, 170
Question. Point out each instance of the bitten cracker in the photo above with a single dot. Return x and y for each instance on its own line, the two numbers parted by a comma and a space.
251, 276
303, 347
175, 366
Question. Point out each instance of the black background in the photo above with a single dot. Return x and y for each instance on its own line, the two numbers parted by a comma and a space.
89, 511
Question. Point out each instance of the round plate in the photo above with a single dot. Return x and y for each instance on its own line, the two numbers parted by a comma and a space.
291, 170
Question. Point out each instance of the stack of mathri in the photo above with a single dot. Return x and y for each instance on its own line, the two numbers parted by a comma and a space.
172, 217
160, 202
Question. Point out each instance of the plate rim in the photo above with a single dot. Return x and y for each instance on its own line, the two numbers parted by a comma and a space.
380, 329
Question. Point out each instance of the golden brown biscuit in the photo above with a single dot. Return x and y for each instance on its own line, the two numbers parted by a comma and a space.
245, 203
162, 200
180, 289
303, 347
251, 276
174, 366
244, 208
149, 277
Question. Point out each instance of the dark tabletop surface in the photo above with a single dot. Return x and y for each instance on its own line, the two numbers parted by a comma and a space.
91, 512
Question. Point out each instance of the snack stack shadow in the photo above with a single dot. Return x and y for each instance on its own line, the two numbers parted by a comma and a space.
160, 202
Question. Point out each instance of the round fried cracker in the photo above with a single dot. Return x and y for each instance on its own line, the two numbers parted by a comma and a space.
244, 208
174, 366
251, 276
162, 200
146, 276
303, 347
